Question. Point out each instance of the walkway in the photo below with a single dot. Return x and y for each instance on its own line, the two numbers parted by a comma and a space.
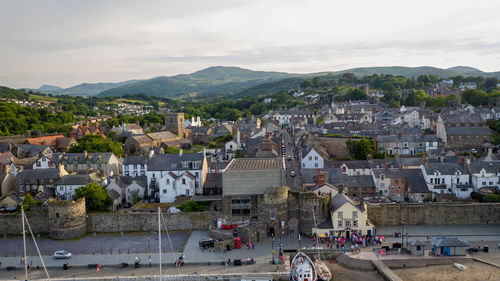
386, 271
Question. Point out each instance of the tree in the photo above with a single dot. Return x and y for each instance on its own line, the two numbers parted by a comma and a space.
96, 143
96, 198
359, 149
490, 83
282, 98
28, 201
306, 84
316, 82
238, 154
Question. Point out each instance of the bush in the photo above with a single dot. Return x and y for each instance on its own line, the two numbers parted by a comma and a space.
492, 198
191, 206
428, 199
28, 201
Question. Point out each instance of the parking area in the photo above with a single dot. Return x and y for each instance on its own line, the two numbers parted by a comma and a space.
101, 243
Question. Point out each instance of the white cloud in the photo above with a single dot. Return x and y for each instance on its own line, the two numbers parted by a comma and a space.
69, 42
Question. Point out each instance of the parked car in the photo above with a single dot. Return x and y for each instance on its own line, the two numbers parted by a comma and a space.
207, 243
289, 158
127, 205
292, 173
62, 254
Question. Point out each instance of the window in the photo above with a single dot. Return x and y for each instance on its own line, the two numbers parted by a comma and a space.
61, 188
347, 223
185, 164
490, 183
484, 183
38, 164
315, 157
382, 185
340, 224
310, 158
183, 181
168, 181
142, 166
316, 165
354, 214
272, 214
392, 187
164, 191
354, 223
340, 215
127, 173
432, 181
399, 187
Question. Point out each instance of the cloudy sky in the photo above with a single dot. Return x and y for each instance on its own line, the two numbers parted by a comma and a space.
65, 43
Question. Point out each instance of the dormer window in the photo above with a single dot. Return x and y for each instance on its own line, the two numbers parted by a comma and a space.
185, 165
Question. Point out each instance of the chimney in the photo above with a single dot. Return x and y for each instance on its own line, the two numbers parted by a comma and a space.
386, 167
216, 168
320, 179
151, 153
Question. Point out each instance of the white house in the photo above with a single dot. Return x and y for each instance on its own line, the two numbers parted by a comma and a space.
412, 118
447, 178
42, 163
171, 175
347, 218
313, 158
135, 166
447, 83
484, 174
67, 185
496, 113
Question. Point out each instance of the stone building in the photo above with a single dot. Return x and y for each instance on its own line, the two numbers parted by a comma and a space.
67, 219
142, 144
174, 122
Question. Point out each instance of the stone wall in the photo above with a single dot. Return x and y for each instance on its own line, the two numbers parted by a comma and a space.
115, 222
38, 219
67, 219
434, 213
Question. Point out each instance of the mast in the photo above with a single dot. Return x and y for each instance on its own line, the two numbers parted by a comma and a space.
24, 243
317, 236
159, 237
37, 249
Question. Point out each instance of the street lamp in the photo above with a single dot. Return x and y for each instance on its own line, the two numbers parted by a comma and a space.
402, 237
149, 249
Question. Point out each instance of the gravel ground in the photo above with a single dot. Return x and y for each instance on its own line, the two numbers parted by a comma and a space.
475, 271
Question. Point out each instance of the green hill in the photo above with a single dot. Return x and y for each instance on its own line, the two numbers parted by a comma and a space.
416, 71
212, 80
89, 89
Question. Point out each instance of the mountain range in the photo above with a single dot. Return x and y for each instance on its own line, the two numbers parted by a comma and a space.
225, 81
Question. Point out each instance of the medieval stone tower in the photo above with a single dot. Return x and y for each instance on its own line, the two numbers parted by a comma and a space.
175, 123
67, 219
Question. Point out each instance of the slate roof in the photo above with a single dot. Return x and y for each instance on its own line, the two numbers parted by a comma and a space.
5, 147
31, 150
161, 135
449, 242
482, 131
407, 138
444, 168
462, 118
364, 164
358, 181
326, 224
409, 161
340, 199
75, 180
420, 243
213, 180
489, 167
332, 176
7, 158
135, 160
256, 164
113, 194
173, 162
34, 174
70, 158
416, 181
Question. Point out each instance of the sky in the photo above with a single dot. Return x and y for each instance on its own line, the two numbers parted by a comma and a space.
66, 43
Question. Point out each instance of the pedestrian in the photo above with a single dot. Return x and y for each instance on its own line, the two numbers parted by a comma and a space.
229, 261
98, 267
253, 246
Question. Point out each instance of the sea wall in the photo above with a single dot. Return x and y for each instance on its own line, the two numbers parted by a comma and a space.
434, 213
38, 218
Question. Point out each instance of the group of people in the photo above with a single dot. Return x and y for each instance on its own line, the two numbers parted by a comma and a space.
356, 240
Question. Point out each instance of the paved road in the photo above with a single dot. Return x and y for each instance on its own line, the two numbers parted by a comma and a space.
99, 244
293, 182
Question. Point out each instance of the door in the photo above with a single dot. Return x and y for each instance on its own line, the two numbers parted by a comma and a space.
347, 234
447, 251
369, 232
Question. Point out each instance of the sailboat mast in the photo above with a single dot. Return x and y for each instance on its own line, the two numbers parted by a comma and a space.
24, 243
36, 245
159, 236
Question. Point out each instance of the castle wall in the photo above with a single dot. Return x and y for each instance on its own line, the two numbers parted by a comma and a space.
67, 219
434, 213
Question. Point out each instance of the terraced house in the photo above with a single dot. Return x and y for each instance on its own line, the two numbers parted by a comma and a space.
105, 163
406, 145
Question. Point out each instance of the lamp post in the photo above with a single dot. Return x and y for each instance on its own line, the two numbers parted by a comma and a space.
149, 249
402, 237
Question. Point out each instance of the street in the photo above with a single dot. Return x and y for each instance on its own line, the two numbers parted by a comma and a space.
295, 182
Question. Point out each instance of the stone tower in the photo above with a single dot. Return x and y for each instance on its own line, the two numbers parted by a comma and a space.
67, 219
175, 123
